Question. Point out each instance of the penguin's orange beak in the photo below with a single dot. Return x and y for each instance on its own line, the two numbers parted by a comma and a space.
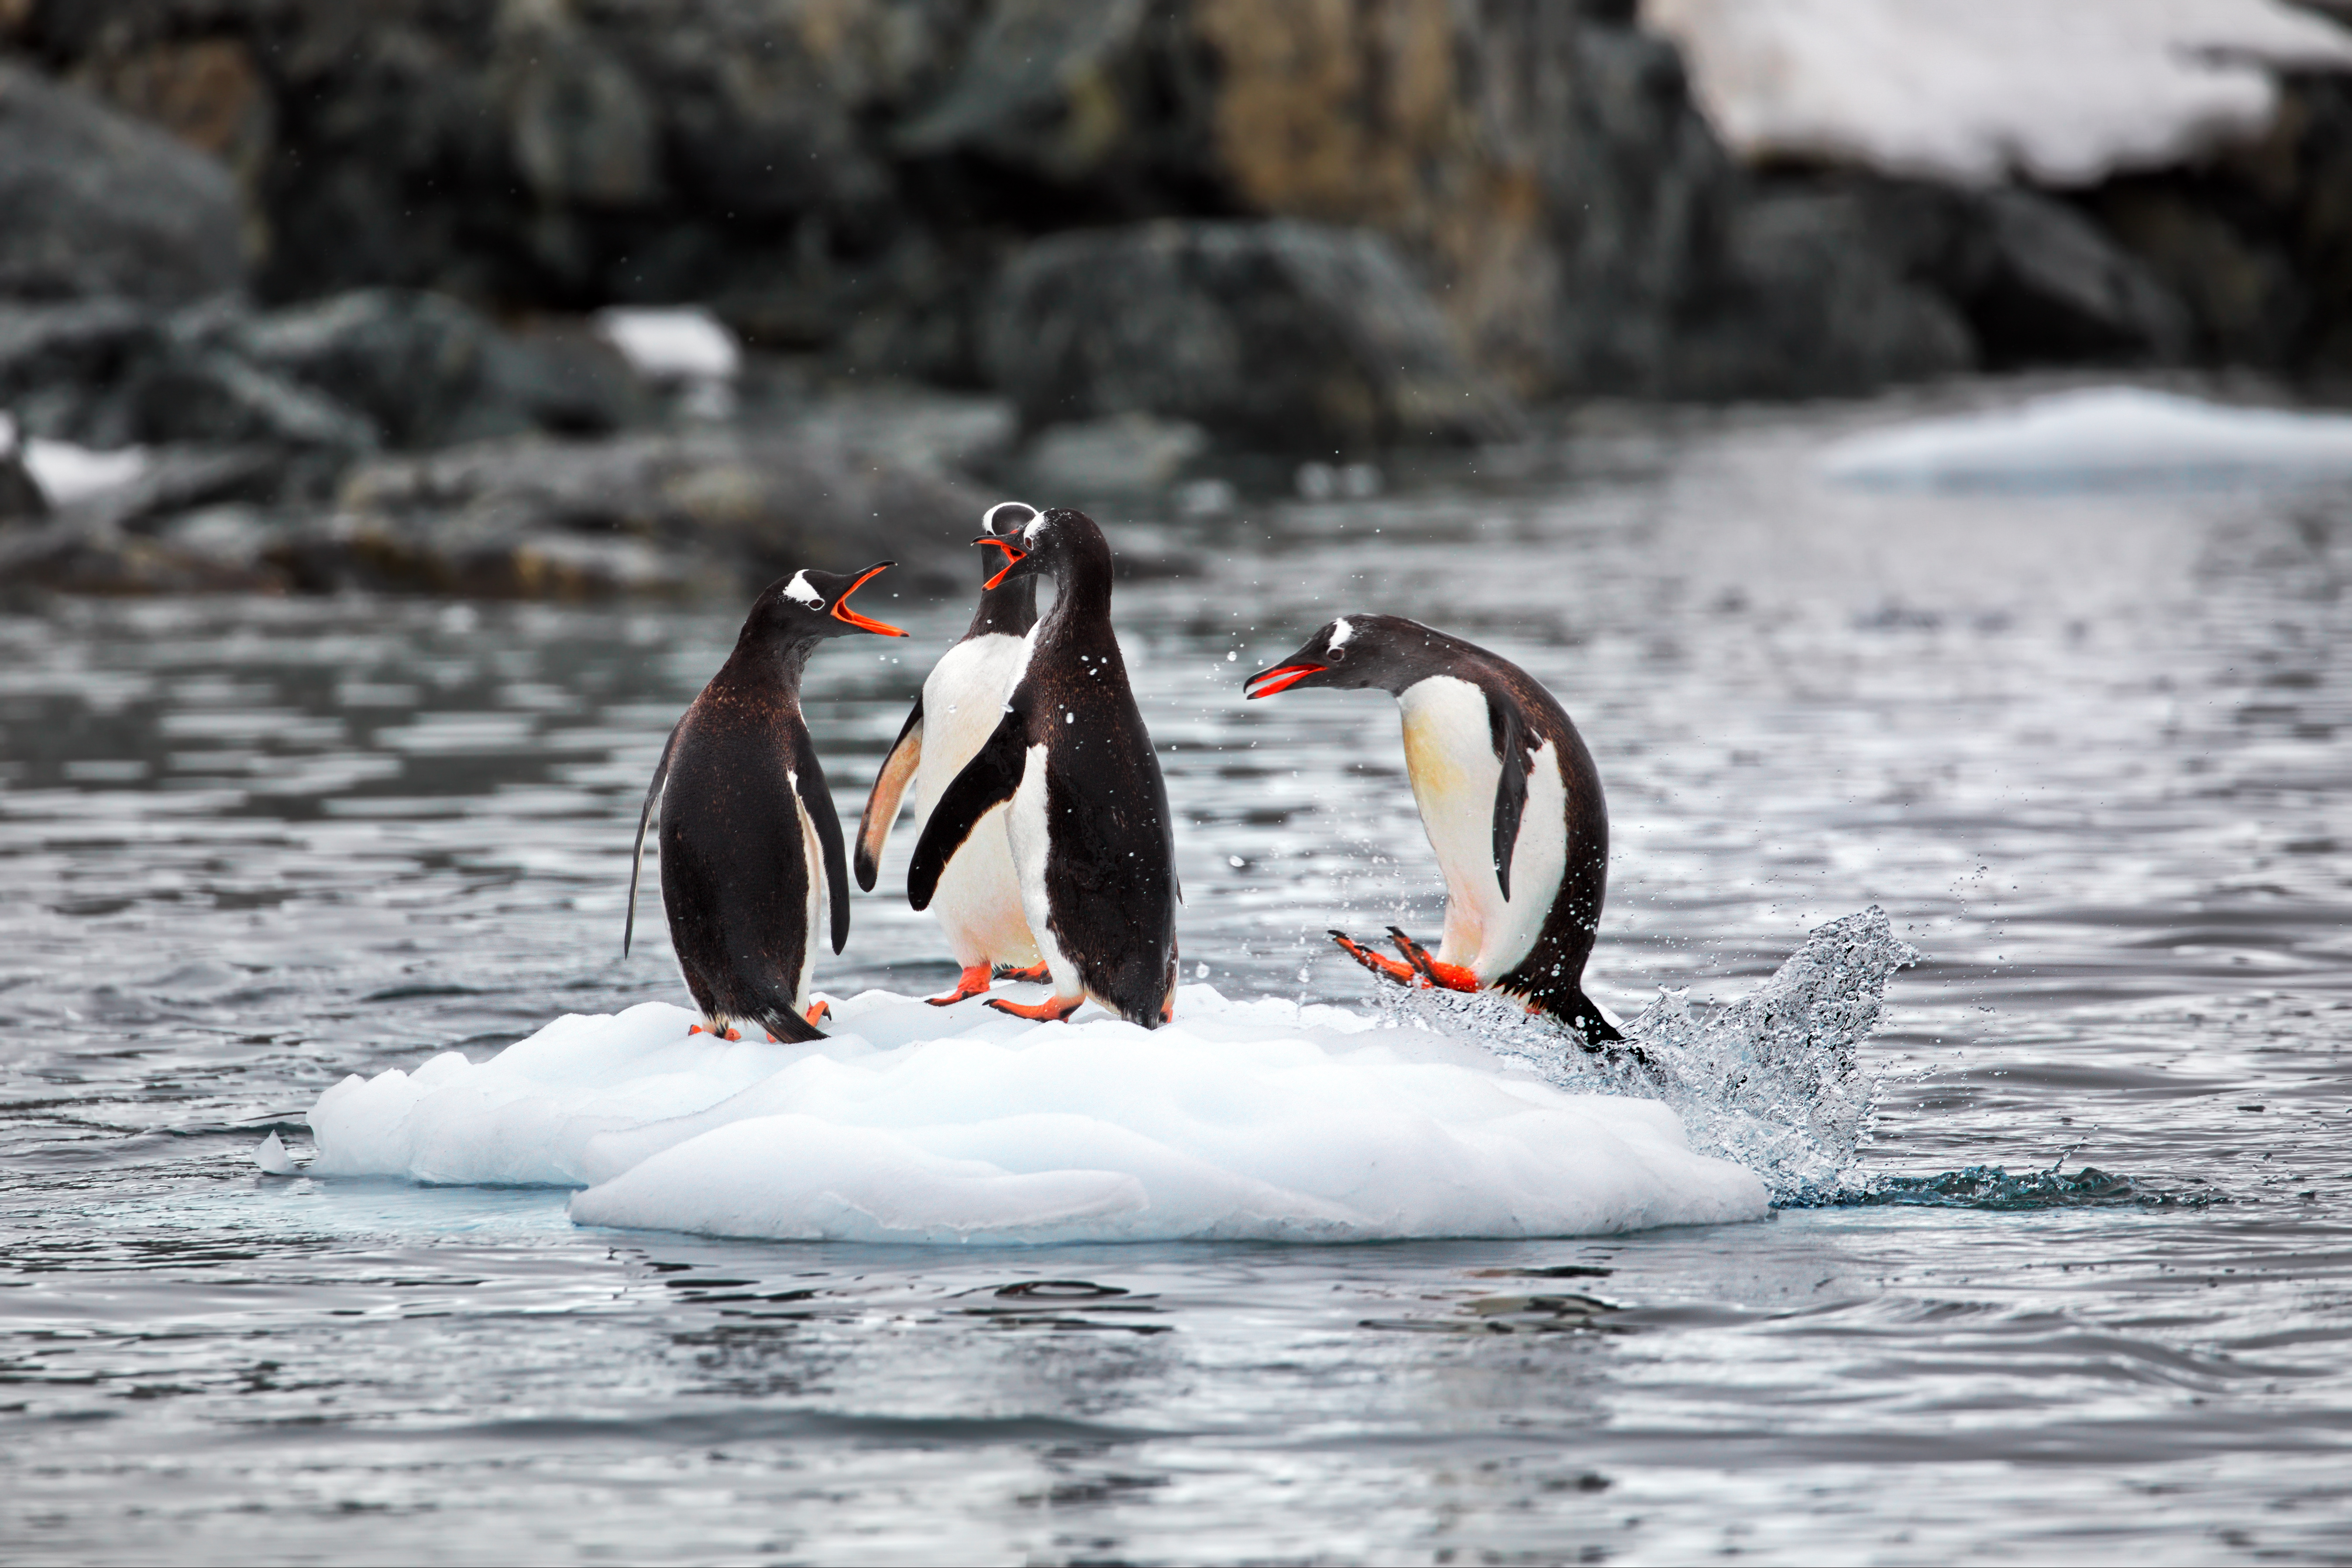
842, 611
1013, 557
1281, 677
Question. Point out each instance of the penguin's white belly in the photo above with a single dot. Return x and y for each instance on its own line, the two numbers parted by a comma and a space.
978, 902
1449, 750
1031, 838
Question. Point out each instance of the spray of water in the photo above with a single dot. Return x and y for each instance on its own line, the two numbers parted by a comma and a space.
1774, 1081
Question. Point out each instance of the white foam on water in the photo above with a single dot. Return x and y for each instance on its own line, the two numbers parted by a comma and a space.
2058, 92
1239, 1120
678, 343
2117, 437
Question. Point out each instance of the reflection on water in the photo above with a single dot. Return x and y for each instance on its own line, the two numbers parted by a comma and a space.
2089, 756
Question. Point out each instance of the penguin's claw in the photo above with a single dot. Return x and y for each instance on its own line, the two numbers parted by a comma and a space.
818, 1012
972, 982
1052, 1010
1385, 967
1035, 972
1442, 976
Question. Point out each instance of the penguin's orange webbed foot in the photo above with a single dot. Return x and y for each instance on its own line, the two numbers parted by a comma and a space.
818, 1012
972, 981
1385, 967
1037, 972
1443, 976
1052, 1010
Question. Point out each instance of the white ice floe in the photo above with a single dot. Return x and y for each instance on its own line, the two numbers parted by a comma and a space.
1241, 1120
2113, 437
672, 342
2059, 92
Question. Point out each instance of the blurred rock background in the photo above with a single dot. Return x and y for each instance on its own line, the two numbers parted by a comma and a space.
312, 294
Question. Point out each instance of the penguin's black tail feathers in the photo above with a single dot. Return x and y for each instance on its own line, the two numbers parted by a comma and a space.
1588, 1020
785, 1025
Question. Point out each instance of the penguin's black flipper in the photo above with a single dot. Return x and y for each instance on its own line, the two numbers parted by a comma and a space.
1510, 789
987, 781
890, 789
816, 799
645, 815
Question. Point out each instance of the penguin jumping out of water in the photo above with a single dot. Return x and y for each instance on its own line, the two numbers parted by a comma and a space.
1511, 802
978, 899
1092, 841
751, 849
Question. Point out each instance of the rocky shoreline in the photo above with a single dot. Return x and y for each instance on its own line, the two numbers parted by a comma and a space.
330, 288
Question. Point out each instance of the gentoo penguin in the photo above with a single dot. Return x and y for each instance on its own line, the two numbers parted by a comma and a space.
747, 822
1091, 836
1511, 802
977, 902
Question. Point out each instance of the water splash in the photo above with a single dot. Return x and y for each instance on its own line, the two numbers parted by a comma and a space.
1774, 1081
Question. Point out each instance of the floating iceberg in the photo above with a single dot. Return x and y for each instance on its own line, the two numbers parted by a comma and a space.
2100, 438
1240, 1120
2058, 92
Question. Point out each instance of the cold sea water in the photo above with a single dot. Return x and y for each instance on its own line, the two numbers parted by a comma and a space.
2084, 1294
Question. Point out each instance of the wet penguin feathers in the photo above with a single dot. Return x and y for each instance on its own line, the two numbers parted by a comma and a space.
1526, 859
750, 844
1091, 833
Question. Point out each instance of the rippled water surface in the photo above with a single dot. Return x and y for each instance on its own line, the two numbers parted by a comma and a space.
2090, 753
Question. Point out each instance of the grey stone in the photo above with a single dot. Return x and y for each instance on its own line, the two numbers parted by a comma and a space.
1801, 309
2052, 287
1127, 452
20, 495
521, 516
430, 370
99, 203
1274, 336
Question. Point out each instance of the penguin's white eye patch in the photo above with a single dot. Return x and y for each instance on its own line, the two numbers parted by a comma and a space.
1036, 526
1341, 632
798, 589
1017, 511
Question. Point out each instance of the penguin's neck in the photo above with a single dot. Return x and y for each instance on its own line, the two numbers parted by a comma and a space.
766, 663
1009, 610
1081, 612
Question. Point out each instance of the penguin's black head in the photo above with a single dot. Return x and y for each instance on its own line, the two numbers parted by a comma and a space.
1043, 542
1354, 653
810, 605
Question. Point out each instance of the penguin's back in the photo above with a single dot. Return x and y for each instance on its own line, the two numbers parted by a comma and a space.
1110, 875
740, 870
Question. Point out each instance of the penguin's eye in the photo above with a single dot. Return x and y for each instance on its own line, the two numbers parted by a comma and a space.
1336, 655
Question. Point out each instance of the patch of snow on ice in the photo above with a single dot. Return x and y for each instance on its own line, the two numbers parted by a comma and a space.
680, 342
1241, 1120
2059, 92
2102, 437
68, 473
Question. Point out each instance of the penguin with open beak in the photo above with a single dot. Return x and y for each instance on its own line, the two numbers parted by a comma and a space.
751, 848
1092, 840
977, 901
1510, 800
